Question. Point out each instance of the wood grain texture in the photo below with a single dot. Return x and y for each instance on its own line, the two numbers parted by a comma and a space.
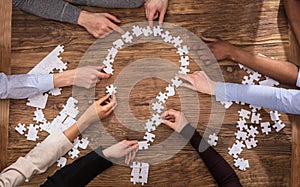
294, 57
256, 26
5, 52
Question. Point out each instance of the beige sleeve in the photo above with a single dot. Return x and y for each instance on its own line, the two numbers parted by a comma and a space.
37, 160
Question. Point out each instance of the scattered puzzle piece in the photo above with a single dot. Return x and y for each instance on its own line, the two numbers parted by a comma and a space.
137, 31
251, 143
111, 89
32, 132
265, 127
118, 44
61, 162
149, 137
245, 114
278, 126
241, 164
227, 104
158, 107
143, 145
157, 31
255, 118
241, 135
176, 82
170, 91
20, 128
212, 139
127, 37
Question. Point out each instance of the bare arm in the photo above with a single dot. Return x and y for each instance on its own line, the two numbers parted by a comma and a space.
292, 9
284, 72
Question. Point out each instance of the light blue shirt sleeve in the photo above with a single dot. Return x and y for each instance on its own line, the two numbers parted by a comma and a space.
24, 86
298, 80
284, 100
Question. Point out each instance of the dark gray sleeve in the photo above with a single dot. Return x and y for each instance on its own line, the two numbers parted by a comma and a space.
111, 3
58, 10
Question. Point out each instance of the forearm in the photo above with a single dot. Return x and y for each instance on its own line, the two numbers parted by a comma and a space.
81, 172
284, 100
58, 10
292, 9
216, 164
24, 86
282, 71
37, 160
63, 79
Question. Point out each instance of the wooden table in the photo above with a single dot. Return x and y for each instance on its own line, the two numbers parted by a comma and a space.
256, 26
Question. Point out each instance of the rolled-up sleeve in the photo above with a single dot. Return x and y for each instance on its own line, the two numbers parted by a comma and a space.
284, 100
37, 160
24, 86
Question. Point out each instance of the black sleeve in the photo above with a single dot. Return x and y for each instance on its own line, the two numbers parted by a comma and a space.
58, 10
216, 164
80, 172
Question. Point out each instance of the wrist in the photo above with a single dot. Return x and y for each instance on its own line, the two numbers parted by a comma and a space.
64, 79
82, 17
106, 153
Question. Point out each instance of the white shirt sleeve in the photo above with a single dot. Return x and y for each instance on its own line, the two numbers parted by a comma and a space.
298, 80
284, 100
37, 160
25, 85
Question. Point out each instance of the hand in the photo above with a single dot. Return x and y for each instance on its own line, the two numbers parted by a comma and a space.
121, 149
86, 77
155, 9
89, 76
99, 24
198, 81
222, 50
174, 119
99, 109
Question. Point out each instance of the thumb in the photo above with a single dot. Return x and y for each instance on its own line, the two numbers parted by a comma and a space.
101, 100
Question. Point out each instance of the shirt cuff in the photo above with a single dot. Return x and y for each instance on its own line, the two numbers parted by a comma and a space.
45, 82
298, 80
220, 91
70, 14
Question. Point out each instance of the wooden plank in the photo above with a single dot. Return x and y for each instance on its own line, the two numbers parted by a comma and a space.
294, 56
5, 51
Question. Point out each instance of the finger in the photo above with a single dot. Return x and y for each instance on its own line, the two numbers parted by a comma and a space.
103, 75
127, 157
169, 123
150, 24
209, 39
131, 142
116, 28
133, 153
185, 77
189, 86
101, 100
130, 149
111, 17
161, 17
168, 113
111, 105
150, 16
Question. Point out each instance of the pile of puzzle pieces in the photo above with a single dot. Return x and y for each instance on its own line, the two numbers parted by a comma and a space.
67, 115
246, 134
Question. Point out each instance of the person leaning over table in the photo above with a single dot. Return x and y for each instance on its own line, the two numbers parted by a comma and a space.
57, 144
97, 24
27, 85
221, 171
